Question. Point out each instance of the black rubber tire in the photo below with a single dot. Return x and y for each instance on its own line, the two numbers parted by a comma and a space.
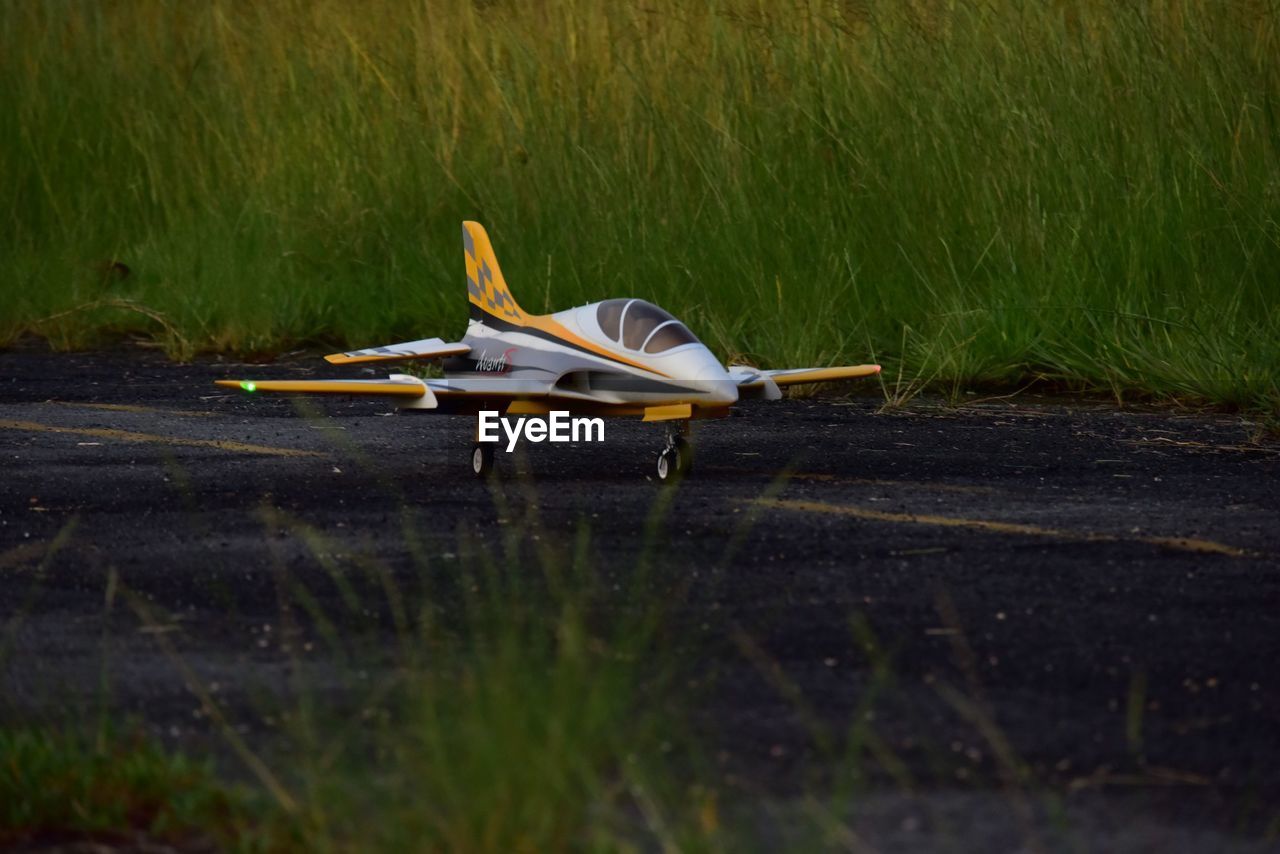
675, 462
482, 459
685, 456
666, 467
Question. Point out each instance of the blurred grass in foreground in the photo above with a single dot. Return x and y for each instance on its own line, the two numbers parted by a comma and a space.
64, 787
523, 713
504, 704
979, 193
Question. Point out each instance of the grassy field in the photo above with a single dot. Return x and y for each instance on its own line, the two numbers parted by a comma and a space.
976, 194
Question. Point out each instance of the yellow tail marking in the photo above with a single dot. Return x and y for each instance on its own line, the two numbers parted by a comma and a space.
486, 287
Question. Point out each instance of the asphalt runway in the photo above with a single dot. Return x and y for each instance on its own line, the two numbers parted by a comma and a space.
1088, 594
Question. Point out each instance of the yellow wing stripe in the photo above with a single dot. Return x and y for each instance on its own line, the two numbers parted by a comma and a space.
394, 389
822, 375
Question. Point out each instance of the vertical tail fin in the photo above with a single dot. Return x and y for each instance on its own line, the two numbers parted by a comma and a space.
486, 288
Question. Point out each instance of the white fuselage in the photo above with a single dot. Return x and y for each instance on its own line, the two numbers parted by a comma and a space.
586, 364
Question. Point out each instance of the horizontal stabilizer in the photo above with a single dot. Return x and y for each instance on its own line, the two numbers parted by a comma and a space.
398, 387
427, 348
795, 376
766, 382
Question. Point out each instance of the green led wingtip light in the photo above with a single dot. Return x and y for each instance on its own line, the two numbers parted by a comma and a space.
249, 386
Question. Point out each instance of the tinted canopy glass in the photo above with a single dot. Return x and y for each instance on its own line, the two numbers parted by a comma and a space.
638, 320
608, 314
673, 333
641, 325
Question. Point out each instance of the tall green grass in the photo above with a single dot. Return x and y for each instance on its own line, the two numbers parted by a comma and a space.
977, 192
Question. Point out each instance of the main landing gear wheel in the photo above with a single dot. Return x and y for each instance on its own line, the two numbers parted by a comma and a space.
482, 459
675, 460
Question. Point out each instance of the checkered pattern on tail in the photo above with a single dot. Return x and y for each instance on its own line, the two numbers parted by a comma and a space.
486, 288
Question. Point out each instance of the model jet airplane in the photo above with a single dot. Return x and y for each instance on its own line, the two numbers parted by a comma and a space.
619, 357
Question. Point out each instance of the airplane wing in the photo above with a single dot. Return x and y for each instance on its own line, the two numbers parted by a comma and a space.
398, 386
427, 348
756, 383
408, 392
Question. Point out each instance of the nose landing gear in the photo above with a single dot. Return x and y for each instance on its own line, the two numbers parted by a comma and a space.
676, 459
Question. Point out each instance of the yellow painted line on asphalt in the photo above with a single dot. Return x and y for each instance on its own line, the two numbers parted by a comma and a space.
22, 554
1201, 446
910, 484
1186, 544
129, 436
129, 407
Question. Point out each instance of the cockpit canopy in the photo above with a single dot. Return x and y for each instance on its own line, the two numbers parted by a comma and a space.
641, 325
